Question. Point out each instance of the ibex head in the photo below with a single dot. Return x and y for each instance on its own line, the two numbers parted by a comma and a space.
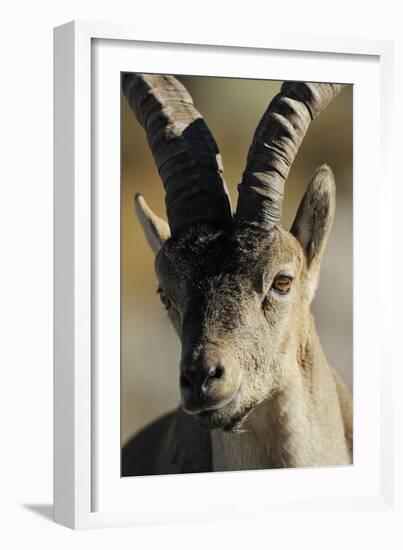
237, 288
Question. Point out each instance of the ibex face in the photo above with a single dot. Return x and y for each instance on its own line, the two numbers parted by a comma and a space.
237, 290
234, 298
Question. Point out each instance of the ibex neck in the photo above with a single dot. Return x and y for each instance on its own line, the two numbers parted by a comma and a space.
289, 428
272, 438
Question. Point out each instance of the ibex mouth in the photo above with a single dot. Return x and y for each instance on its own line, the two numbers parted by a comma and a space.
201, 406
238, 422
228, 417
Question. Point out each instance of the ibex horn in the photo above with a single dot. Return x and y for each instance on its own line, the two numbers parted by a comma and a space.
184, 150
274, 148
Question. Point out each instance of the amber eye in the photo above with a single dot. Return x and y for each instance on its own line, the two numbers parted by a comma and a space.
164, 299
282, 283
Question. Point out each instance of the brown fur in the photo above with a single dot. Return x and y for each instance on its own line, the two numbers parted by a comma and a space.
278, 403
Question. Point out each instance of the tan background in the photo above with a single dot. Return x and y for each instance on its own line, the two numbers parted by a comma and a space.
232, 109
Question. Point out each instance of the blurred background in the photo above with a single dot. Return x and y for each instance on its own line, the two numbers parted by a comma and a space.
232, 109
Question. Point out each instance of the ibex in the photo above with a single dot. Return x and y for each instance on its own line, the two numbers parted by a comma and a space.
256, 388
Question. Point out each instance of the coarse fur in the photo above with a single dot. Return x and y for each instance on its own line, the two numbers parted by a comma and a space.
277, 402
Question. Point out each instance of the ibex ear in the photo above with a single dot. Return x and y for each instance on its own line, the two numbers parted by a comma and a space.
155, 229
314, 219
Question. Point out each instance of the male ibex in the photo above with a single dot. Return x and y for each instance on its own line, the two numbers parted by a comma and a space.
256, 388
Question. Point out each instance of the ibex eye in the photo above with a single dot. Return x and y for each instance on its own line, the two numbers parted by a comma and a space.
164, 298
282, 283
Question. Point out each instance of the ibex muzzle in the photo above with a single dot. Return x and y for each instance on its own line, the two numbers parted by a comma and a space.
209, 379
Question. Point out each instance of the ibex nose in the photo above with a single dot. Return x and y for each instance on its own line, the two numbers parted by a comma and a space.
207, 382
198, 378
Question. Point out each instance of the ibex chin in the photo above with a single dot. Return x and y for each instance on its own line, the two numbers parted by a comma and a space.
256, 388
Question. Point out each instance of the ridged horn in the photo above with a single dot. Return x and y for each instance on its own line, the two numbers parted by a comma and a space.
274, 147
184, 150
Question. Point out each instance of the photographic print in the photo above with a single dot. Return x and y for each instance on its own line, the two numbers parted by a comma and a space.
236, 274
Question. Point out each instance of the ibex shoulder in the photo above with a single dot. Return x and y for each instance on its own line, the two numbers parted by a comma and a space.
173, 444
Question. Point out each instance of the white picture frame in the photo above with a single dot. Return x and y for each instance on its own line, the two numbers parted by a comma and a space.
88, 490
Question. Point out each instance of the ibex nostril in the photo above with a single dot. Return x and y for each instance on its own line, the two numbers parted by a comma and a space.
198, 380
212, 373
215, 372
